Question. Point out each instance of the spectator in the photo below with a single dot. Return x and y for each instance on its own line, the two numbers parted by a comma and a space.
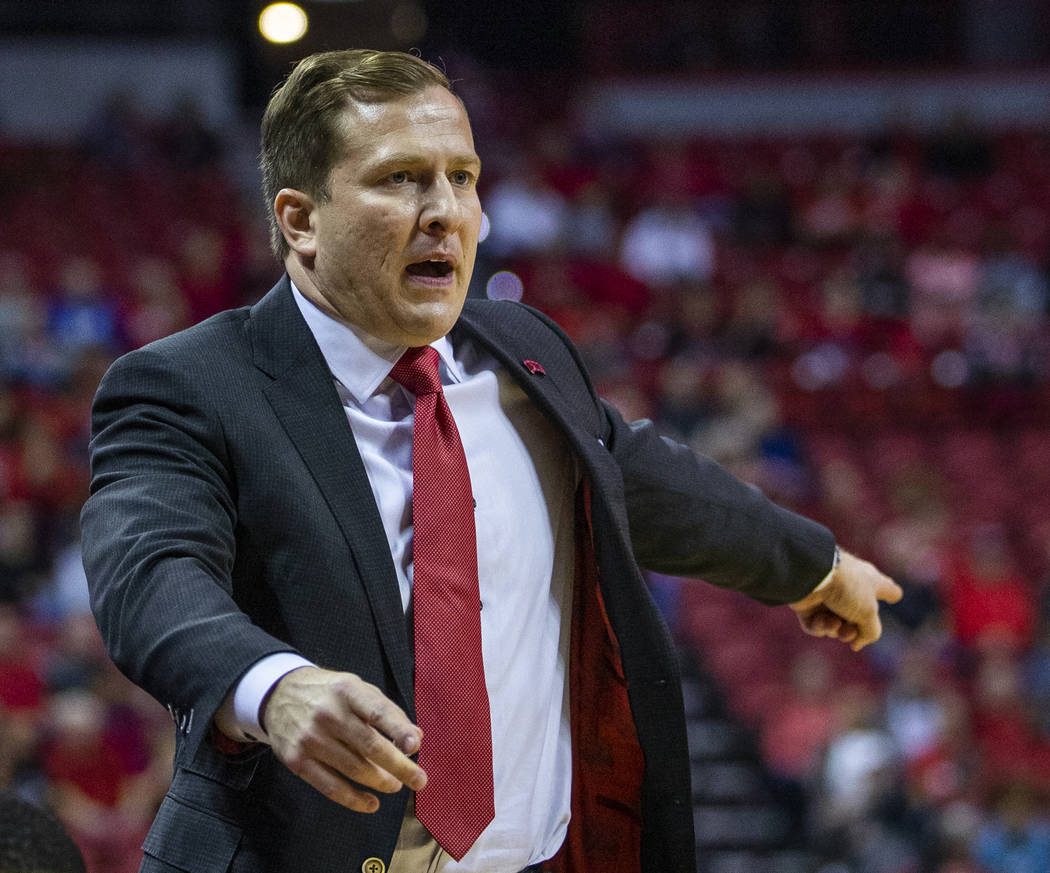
1004, 728
592, 223
22, 558
832, 217
186, 140
1005, 338
82, 313
795, 731
1010, 283
762, 213
77, 657
988, 601
1015, 839
41, 472
65, 591
684, 400
755, 327
1035, 673
20, 771
916, 713
87, 775
21, 685
207, 268
91, 783
37, 361
860, 764
118, 135
18, 305
878, 261
157, 306
941, 777
745, 412
526, 215
668, 244
943, 277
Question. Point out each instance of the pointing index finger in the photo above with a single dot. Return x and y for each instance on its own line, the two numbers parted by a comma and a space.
889, 591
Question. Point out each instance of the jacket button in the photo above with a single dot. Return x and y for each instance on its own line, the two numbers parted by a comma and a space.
373, 865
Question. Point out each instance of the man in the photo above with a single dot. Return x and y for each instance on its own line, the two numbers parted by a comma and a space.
311, 590
33, 840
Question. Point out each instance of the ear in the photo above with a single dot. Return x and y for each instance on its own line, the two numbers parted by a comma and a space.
295, 216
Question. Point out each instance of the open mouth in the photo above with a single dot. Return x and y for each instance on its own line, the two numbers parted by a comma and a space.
435, 269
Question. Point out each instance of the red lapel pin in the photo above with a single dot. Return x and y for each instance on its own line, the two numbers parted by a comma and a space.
535, 368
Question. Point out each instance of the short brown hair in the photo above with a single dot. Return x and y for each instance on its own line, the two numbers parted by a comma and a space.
302, 139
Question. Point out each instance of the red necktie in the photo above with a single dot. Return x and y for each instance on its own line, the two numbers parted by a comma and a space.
452, 704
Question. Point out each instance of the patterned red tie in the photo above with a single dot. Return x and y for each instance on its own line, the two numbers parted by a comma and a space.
452, 704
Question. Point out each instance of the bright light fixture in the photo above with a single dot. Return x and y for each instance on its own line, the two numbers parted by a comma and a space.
283, 22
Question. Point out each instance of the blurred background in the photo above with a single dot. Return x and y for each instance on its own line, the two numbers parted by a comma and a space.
808, 238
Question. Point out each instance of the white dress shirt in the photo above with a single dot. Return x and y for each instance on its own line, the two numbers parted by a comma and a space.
524, 480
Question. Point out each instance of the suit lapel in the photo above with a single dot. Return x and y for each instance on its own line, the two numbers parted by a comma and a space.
514, 341
564, 405
501, 343
303, 396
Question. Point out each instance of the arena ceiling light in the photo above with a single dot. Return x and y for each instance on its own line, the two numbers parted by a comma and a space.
283, 22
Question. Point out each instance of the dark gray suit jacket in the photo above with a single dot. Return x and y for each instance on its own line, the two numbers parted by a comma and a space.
231, 517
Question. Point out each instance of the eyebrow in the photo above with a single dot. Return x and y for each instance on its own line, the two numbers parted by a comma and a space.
402, 159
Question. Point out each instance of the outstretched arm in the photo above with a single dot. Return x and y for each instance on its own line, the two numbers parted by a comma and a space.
689, 516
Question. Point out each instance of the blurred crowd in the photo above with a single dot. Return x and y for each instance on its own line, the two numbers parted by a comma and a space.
858, 325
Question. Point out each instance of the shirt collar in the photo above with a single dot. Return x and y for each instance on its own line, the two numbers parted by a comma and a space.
360, 361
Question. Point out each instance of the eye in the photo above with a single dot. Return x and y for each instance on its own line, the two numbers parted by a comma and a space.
460, 177
398, 177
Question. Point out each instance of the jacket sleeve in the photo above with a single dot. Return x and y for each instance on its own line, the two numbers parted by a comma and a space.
690, 517
159, 541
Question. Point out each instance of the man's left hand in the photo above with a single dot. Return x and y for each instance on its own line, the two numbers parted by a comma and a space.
847, 607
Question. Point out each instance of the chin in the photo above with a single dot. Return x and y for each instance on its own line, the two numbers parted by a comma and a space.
433, 323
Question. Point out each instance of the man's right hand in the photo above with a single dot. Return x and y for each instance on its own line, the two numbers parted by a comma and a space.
330, 727
846, 606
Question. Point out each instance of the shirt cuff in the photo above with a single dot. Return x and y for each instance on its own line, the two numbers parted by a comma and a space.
255, 684
827, 579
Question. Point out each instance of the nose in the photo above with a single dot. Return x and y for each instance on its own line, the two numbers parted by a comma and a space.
441, 212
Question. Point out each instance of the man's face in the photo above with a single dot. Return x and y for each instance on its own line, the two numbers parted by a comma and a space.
393, 249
